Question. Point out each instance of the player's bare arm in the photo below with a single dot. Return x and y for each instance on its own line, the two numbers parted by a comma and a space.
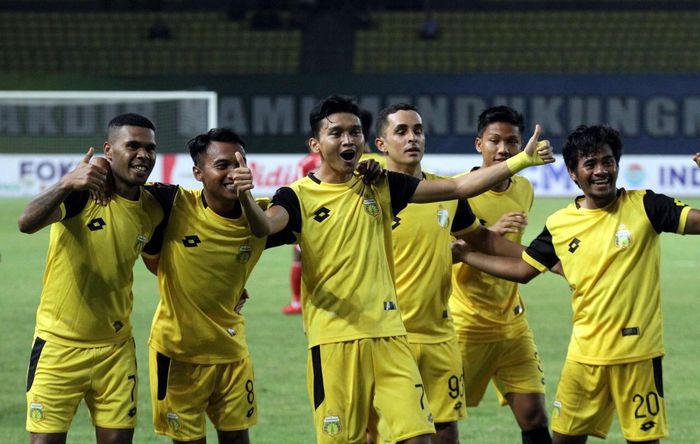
509, 268
241, 301
513, 222
692, 223
44, 210
243, 182
151, 263
489, 242
479, 181
271, 221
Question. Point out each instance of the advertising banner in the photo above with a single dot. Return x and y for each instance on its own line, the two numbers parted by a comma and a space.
678, 176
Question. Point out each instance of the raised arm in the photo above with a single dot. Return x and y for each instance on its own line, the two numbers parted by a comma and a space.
481, 180
243, 182
44, 209
509, 268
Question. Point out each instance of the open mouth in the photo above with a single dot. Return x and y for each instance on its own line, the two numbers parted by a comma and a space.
141, 168
601, 182
348, 155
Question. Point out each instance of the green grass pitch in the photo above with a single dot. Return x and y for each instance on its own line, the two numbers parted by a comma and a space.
278, 345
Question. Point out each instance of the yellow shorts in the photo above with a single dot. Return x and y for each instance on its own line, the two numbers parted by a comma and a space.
355, 384
513, 365
588, 396
182, 393
60, 376
440, 367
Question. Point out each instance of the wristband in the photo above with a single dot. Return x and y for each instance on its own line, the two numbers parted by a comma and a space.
521, 160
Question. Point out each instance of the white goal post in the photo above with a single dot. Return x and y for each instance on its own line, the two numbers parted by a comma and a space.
44, 133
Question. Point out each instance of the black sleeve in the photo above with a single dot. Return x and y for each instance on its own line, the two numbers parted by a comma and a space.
464, 216
664, 212
542, 250
165, 195
287, 199
401, 187
284, 237
75, 202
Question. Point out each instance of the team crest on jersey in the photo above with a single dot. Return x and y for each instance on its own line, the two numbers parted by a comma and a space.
443, 217
244, 253
173, 421
140, 241
623, 237
36, 411
557, 409
331, 425
371, 207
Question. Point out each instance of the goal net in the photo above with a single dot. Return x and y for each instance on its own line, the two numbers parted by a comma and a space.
60, 122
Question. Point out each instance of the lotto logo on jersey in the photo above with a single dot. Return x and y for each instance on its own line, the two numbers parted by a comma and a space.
191, 241
443, 217
331, 425
96, 224
371, 207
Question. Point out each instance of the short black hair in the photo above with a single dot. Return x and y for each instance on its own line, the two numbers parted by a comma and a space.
587, 140
199, 144
129, 119
500, 113
366, 121
331, 105
383, 116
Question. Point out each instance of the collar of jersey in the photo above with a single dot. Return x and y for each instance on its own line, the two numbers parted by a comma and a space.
605, 208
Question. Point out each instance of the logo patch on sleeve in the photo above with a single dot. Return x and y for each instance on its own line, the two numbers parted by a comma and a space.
389, 305
36, 411
630, 331
173, 421
556, 411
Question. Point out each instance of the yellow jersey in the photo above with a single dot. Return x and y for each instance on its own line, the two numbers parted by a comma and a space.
610, 257
86, 299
